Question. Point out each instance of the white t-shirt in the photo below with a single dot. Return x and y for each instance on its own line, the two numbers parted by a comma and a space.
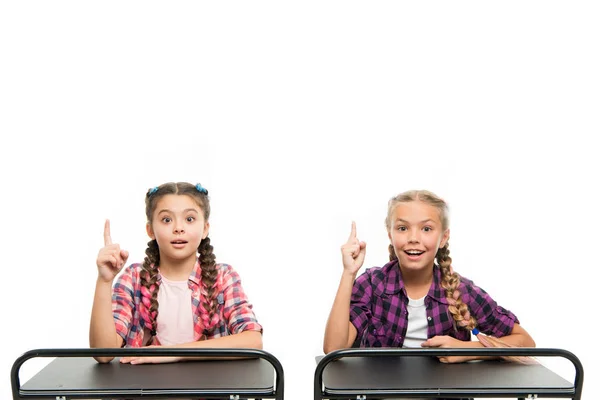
175, 323
416, 330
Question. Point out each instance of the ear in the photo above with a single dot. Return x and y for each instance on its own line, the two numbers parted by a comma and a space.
206, 227
445, 238
150, 231
390, 235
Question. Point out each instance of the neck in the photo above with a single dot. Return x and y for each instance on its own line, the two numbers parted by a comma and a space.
177, 270
417, 283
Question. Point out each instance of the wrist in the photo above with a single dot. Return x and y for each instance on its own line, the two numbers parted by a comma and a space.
349, 275
103, 283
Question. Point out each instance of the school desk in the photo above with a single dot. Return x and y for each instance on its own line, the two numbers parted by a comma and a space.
74, 374
396, 373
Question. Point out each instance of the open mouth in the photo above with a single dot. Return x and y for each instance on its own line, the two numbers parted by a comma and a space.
414, 253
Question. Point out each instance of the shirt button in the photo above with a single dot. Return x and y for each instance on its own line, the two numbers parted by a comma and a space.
429, 319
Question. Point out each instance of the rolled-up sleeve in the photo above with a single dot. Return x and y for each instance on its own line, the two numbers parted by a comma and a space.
123, 303
360, 303
237, 310
492, 319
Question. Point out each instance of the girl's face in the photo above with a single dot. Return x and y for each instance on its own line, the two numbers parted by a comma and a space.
178, 226
416, 233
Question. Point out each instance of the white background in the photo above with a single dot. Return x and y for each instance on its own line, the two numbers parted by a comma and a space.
300, 117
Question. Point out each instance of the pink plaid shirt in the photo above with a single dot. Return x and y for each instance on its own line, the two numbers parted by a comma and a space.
234, 310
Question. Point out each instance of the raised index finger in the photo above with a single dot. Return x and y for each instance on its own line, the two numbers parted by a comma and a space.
107, 238
353, 231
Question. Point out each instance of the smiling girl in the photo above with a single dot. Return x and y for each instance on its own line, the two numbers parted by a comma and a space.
179, 296
416, 299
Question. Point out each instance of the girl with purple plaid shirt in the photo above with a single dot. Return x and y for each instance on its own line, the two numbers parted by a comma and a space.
178, 297
413, 300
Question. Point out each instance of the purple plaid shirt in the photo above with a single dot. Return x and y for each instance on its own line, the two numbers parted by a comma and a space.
378, 309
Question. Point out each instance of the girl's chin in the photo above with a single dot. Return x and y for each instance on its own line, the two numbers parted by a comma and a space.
415, 263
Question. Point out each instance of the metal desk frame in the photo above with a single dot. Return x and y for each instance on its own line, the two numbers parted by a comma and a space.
252, 390
352, 374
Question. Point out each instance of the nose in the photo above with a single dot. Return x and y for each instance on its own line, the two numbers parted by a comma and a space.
413, 236
178, 228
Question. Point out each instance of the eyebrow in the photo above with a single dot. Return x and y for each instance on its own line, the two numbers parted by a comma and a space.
421, 222
184, 211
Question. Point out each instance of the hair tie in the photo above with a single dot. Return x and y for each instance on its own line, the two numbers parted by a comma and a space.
152, 191
201, 189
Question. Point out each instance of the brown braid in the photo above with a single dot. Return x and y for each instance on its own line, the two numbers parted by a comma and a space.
393, 255
149, 276
208, 304
450, 283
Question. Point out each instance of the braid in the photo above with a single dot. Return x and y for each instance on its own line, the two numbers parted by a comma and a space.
209, 286
149, 276
393, 255
450, 282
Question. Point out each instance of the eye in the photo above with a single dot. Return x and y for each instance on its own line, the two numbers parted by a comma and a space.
401, 228
427, 228
190, 219
166, 220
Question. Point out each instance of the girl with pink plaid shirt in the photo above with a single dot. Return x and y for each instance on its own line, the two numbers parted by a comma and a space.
416, 299
179, 296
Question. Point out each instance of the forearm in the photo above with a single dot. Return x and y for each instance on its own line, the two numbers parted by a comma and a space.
474, 345
103, 333
246, 339
242, 340
337, 331
518, 337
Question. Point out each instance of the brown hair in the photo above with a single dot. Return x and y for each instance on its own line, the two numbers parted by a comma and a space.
450, 279
149, 275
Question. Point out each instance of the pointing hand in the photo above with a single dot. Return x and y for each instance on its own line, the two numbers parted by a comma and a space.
353, 252
111, 258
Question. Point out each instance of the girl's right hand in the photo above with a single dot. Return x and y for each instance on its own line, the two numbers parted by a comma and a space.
353, 252
111, 258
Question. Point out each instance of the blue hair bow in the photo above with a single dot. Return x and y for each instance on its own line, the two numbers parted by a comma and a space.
153, 190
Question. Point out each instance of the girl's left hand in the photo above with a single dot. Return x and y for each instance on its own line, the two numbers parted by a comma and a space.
447, 342
149, 360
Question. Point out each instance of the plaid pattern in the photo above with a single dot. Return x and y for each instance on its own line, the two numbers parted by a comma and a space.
378, 309
234, 310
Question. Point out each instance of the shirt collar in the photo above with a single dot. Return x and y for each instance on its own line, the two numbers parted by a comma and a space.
436, 291
394, 284
196, 275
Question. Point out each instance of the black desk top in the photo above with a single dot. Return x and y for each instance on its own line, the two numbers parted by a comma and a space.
424, 375
85, 375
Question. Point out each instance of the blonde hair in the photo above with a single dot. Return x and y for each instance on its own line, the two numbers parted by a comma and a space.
450, 279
